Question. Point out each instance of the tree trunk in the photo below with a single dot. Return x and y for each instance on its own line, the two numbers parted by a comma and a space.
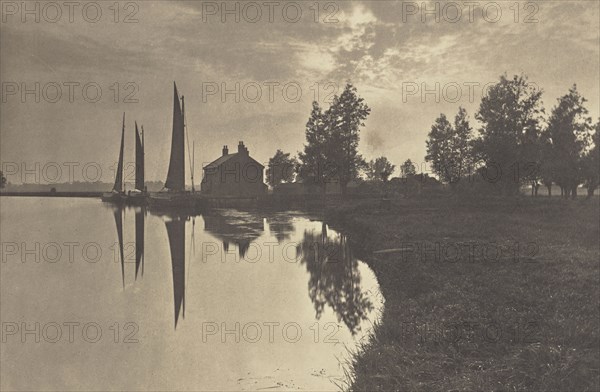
549, 190
343, 188
532, 188
590, 192
574, 192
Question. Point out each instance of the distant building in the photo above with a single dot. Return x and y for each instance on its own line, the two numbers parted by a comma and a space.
234, 175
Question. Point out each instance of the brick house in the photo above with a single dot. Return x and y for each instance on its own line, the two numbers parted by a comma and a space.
234, 175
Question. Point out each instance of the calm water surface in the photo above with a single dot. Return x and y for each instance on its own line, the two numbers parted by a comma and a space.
227, 301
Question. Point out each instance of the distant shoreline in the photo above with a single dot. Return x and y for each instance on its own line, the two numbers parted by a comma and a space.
51, 194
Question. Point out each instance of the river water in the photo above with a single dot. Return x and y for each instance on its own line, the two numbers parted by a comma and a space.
226, 301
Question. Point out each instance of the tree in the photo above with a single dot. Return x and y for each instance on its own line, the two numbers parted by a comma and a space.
380, 169
281, 168
510, 113
569, 130
547, 164
2, 180
591, 164
449, 147
332, 136
532, 150
314, 156
408, 169
346, 115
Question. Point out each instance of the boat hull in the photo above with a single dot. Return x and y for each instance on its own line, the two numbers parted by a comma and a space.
113, 197
176, 201
137, 199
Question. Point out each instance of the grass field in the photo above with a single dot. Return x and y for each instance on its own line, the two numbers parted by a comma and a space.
487, 294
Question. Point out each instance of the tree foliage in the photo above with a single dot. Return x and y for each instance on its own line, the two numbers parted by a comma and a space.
408, 169
449, 147
591, 163
332, 136
569, 130
510, 114
314, 156
380, 169
281, 168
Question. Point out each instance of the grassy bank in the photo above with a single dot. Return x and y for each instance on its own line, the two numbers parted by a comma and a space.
460, 316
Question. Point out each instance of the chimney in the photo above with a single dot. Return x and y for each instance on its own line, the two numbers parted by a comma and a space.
225, 150
242, 149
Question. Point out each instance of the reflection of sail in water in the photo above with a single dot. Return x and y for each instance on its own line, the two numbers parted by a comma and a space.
334, 277
176, 233
118, 212
139, 240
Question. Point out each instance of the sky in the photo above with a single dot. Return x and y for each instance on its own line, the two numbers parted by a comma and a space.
253, 79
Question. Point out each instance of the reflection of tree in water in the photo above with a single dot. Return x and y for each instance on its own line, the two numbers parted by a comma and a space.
281, 226
334, 277
242, 245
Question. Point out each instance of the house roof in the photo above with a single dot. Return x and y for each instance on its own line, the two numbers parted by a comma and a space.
221, 160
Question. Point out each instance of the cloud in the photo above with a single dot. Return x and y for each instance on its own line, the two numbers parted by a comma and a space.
370, 44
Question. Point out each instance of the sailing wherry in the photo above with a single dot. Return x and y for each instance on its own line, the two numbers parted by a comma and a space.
174, 194
117, 195
139, 195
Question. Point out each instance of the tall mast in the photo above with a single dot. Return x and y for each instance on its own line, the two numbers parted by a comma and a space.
193, 159
119, 175
139, 161
187, 136
176, 175
144, 158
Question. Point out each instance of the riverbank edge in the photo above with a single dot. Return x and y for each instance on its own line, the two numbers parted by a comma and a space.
376, 364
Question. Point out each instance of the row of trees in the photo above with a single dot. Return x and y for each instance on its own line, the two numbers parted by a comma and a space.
516, 144
331, 149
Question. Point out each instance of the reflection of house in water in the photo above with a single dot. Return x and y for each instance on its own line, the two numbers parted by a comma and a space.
281, 226
232, 226
334, 277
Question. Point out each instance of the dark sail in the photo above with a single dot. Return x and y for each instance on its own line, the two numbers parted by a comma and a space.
119, 222
139, 241
176, 176
119, 177
139, 160
176, 232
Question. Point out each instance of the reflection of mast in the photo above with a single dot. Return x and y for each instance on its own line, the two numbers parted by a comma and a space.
176, 233
139, 240
119, 222
192, 248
